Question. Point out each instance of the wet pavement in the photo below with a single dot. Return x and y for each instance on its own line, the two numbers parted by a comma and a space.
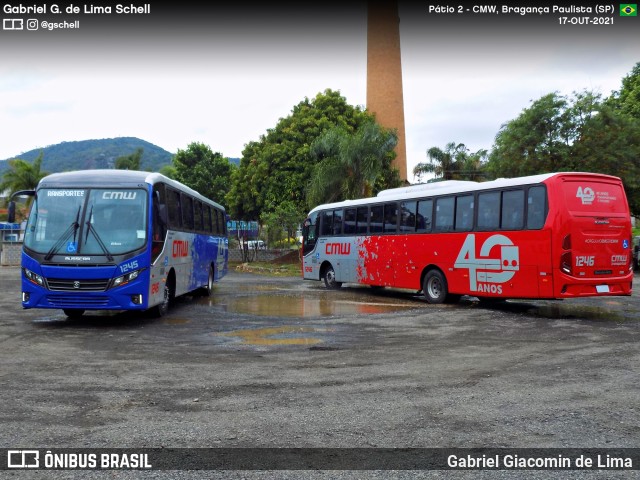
281, 362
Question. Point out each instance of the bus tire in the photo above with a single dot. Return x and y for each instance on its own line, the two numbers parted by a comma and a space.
162, 309
73, 312
434, 287
329, 277
208, 290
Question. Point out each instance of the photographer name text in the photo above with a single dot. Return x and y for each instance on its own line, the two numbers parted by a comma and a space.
71, 9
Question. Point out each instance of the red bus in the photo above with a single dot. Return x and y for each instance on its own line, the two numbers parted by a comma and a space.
549, 236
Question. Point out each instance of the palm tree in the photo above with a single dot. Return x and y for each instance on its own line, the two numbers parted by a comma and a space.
455, 162
349, 163
442, 163
22, 175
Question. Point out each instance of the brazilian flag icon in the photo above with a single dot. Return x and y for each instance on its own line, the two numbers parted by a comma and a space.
629, 10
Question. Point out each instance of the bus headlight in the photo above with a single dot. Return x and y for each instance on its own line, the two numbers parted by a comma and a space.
124, 279
34, 277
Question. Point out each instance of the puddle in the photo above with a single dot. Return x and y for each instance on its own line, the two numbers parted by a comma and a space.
175, 321
577, 312
609, 311
282, 335
300, 307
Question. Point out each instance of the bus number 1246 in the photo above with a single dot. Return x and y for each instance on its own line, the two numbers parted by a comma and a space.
585, 260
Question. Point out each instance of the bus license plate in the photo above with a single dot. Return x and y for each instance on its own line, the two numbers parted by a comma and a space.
602, 288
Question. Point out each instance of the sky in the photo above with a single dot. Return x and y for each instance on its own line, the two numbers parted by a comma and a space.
223, 75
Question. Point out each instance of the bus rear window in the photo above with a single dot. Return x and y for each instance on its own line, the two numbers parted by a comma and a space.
597, 197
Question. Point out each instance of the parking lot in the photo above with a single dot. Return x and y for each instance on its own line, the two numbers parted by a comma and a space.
278, 362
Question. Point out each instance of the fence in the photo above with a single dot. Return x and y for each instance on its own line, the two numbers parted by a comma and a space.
11, 235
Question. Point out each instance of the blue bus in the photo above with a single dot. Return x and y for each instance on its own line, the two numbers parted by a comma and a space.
119, 240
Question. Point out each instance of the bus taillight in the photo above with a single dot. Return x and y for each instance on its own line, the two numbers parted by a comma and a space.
565, 258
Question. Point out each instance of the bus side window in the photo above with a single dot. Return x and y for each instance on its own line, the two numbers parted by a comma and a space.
309, 232
223, 222
424, 217
160, 218
337, 222
489, 211
350, 221
408, 217
376, 219
197, 215
326, 224
362, 215
206, 211
390, 218
536, 207
444, 214
187, 212
512, 209
173, 202
464, 213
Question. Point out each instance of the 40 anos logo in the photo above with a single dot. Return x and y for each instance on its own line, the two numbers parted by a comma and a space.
586, 195
493, 266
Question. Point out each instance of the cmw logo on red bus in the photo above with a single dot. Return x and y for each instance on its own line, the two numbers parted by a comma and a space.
338, 249
487, 273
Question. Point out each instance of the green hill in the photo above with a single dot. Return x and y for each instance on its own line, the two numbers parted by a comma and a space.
86, 154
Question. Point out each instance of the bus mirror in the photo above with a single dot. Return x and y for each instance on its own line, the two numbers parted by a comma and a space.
11, 207
11, 210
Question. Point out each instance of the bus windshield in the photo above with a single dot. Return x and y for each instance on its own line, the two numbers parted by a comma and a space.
87, 221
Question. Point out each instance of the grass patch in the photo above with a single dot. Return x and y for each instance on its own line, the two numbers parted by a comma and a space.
268, 268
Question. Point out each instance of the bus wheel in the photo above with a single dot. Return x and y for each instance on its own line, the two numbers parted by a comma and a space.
163, 308
73, 312
434, 287
329, 277
208, 290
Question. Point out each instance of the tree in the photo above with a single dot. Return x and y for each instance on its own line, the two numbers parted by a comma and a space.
129, 162
577, 133
278, 167
623, 133
284, 218
168, 171
608, 145
203, 170
348, 164
627, 99
22, 175
455, 162
537, 141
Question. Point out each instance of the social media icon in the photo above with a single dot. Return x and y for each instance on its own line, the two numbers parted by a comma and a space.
32, 24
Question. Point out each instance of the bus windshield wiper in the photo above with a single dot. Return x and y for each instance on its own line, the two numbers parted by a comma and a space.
73, 228
91, 229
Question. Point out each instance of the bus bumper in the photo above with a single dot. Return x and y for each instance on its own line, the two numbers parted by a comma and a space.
128, 297
571, 287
